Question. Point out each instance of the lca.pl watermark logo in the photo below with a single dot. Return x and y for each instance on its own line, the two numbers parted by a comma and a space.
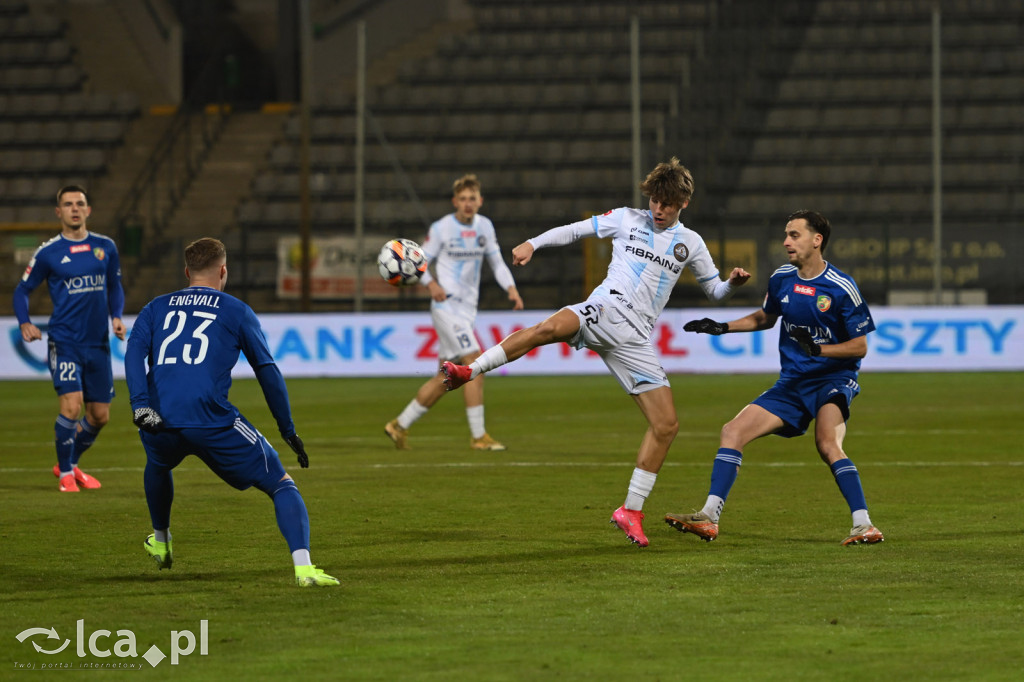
183, 643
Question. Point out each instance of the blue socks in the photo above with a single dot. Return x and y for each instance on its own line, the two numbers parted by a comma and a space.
159, 487
84, 440
724, 472
848, 481
64, 439
292, 518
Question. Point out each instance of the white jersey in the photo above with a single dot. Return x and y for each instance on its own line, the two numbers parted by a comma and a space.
646, 262
457, 252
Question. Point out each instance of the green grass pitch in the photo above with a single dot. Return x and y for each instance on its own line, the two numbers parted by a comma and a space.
502, 566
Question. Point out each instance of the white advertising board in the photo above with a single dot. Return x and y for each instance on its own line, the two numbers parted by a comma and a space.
404, 344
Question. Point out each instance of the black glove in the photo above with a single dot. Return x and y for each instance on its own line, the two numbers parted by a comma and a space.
806, 341
706, 326
148, 419
295, 443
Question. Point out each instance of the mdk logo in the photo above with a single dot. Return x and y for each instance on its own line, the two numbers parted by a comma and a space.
824, 303
99, 253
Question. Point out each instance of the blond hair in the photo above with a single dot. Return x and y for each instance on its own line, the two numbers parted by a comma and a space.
468, 181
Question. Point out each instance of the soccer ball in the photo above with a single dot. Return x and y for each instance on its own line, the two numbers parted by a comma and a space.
401, 262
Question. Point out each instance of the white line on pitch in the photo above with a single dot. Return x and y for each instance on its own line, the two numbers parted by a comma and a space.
496, 465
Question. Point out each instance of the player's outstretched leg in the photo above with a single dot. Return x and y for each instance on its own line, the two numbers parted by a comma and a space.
159, 551
700, 524
293, 522
455, 375
630, 522
863, 535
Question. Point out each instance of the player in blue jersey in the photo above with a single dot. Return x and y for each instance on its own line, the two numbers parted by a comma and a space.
190, 341
457, 246
650, 250
825, 323
83, 273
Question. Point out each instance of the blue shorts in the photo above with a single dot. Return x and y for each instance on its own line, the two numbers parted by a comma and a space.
239, 454
81, 368
797, 403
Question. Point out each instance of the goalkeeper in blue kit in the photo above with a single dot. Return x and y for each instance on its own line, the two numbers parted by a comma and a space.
191, 340
825, 323
83, 274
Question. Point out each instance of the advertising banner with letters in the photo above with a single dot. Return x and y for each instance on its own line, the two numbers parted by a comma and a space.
404, 344
333, 269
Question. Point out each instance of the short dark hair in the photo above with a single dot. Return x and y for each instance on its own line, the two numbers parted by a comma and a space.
816, 222
669, 182
72, 188
205, 253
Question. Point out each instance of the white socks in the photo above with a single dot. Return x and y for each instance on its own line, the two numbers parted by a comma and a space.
861, 518
411, 413
300, 557
475, 417
162, 535
490, 359
640, 486
713, 507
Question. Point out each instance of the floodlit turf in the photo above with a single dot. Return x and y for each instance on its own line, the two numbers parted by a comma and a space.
462, 565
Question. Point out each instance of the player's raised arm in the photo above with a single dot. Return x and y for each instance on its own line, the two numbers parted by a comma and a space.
522, 254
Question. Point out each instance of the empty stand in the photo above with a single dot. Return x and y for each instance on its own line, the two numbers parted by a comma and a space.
51, 130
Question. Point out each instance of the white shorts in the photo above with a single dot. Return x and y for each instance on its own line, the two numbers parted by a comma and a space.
626, 351
455, 335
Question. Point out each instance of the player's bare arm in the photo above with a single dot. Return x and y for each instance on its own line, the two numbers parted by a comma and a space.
517, 300
30, 332
522, 254
854, 348
754, 322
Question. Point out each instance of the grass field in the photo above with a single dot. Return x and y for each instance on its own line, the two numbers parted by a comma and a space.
502, 566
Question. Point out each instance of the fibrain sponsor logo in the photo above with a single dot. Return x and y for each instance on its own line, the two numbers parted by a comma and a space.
120, 647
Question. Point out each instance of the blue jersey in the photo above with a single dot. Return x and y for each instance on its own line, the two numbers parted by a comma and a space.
84, 278
829, 306
191, 340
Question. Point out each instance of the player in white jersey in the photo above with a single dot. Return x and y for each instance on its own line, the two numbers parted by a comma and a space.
649, 251
457, 245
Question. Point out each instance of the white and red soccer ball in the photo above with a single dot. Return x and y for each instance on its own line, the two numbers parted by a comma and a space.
401, 262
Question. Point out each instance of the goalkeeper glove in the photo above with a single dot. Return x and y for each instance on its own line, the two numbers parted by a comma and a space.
295, 443
805, 340
148, 420
706, 326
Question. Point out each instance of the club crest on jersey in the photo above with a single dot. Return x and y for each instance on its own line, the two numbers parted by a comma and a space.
481, 240
803, 289
79, 248
99, 253
824, 303
680, 252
